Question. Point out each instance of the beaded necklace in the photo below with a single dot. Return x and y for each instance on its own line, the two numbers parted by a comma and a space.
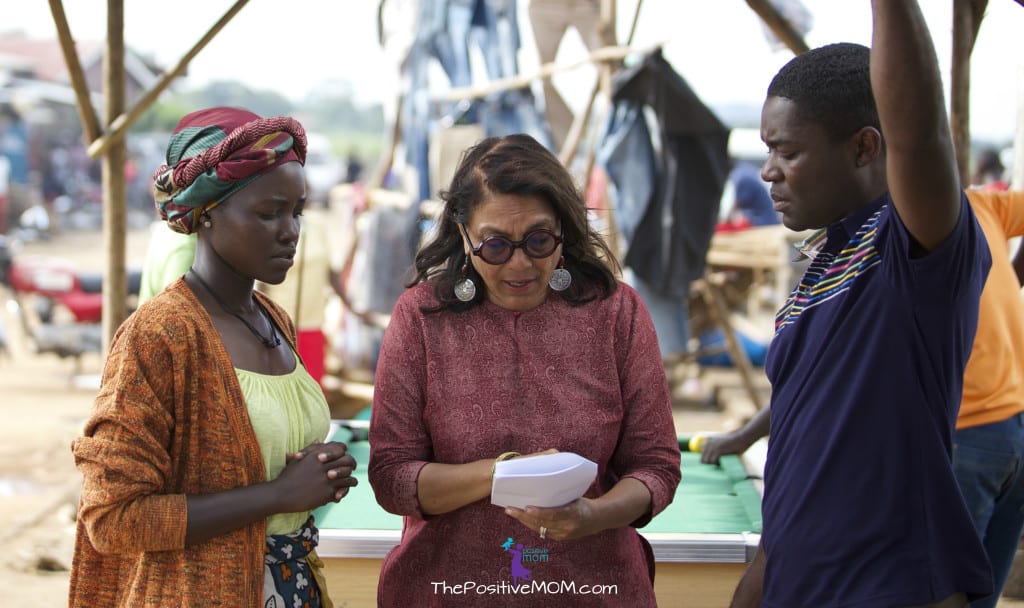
272, 342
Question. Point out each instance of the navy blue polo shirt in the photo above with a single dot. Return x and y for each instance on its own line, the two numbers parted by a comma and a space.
861, 508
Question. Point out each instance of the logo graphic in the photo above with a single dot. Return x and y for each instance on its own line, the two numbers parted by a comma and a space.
521, 573
524, 580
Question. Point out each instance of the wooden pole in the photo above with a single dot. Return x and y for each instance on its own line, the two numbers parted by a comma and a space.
608, 53
967, 16
606, 30
115, 290
380, 171
87, 114
779, 25
606, 68
710, 289
579, 123
569, 153
119, 124
1017, 170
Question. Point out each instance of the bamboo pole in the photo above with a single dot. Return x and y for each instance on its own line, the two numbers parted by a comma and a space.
709, 288
967, 16
572, 141
607, 31
115, 283
580, 121
380, 171
608, 53
119, 124
1017, 170
86, 113
592, 151
779, 25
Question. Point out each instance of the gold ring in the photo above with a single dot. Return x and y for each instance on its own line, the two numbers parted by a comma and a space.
543, 532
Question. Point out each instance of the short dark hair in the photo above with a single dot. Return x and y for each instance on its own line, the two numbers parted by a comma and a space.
520, 165
831, 86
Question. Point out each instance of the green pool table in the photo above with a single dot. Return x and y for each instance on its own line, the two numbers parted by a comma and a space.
702, 542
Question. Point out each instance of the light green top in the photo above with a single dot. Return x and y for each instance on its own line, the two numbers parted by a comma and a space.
288, 412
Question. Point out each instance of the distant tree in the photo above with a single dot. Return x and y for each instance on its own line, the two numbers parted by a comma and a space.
231, 93
330, 110
333, 109
162, 116
165, 113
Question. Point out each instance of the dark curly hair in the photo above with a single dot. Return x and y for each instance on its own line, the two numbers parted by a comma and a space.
831, 86
518, 165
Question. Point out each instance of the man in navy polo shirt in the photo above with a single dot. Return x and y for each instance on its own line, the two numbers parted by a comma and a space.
861, 507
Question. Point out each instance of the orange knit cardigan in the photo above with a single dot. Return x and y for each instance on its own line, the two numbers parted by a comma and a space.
169, 421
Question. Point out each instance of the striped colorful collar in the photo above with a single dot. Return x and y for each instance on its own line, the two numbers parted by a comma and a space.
809, 247
845, 228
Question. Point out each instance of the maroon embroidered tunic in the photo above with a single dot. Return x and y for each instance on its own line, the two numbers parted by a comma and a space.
457, 387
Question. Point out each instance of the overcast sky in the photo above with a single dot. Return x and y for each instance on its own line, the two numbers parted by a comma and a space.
718, 46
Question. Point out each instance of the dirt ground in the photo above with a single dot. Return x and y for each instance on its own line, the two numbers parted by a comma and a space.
43, 404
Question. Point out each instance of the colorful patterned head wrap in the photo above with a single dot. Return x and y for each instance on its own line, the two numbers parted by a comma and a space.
216, 152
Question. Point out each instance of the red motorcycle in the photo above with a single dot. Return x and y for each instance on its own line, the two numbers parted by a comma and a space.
59, 307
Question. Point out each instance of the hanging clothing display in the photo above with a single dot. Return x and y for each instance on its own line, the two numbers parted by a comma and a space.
551, 21
446, 30
668, 176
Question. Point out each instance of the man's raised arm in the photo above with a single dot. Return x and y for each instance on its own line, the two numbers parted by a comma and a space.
921, 164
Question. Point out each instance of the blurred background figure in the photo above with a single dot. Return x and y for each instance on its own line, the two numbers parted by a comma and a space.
746, 202
353, 168
168, 257
989, 172
324, 168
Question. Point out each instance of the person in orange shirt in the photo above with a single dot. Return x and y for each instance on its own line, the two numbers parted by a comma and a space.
988, 447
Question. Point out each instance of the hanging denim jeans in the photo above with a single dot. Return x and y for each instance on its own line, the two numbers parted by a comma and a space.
627, 155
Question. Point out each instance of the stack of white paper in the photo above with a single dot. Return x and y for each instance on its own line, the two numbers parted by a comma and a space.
550, 480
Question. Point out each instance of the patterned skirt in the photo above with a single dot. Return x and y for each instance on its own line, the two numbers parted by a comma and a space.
291, 570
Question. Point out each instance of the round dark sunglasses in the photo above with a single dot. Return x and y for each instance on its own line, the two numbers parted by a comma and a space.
497, 249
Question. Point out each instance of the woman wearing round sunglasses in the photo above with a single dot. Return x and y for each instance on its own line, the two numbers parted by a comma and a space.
515, 338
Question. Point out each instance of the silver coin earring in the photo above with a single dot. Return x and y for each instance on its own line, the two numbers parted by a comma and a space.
560, 278
465, 288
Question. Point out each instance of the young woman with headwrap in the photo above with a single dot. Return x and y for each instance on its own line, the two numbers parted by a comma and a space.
202, 459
